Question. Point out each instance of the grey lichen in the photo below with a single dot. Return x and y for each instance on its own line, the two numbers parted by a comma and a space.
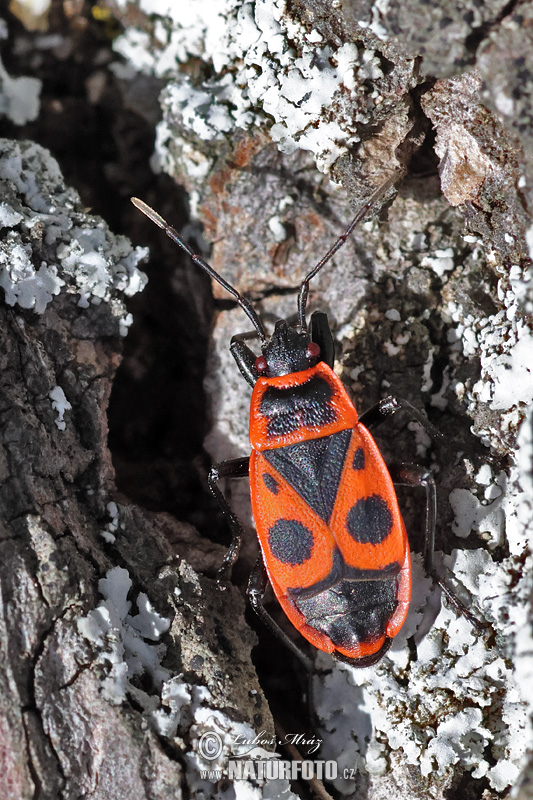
50, 244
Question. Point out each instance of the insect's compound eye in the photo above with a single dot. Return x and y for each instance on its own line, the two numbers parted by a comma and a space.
313, 350
261, 364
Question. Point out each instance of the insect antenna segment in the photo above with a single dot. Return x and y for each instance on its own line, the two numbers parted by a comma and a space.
174, 235
304, 286
361, 214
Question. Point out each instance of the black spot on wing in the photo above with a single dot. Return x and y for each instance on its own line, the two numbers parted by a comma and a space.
270, 482
296, 407
369, 521
313, 469
290, 541
358, 459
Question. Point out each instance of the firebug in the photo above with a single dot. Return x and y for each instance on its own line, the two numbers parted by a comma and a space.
333, 542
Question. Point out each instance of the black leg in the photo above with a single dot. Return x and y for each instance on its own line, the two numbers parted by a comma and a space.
233, 468
389, 406
244, 356
256, 592
411, 475
321, 334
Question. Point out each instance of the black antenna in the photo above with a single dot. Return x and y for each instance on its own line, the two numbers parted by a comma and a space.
361, 214
173, 234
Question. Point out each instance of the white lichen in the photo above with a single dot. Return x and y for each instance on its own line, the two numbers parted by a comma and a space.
121, 639
19, 97
266, 69
504, 343
109, 532
127, 648
441, 261
51, 245
59, 404
25, 284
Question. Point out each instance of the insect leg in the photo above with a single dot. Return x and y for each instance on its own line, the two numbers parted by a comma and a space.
233, 468
389, 406
321, 334
411, 475
257, 586
244, 357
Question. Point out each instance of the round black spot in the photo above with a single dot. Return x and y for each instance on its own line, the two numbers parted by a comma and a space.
369, 521
290, 541
270, 482
359, 459
197, 662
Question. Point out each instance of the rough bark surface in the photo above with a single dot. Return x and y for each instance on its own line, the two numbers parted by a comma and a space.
65, 734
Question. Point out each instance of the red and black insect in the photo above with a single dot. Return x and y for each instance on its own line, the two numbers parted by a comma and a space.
333, 541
